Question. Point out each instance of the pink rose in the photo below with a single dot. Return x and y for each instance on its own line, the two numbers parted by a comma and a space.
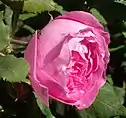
68, 59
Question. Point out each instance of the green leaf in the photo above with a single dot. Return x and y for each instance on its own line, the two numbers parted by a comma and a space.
16, 5
39, 6
120, 93
121, 1
124, 34
107, 104
25, 16
13, 69
88, 113
1, 15
116, 48
109, 79
43, 108
8, 15
60, 108
97, 14
4, 34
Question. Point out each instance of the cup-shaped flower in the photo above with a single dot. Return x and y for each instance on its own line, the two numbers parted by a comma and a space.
68, 59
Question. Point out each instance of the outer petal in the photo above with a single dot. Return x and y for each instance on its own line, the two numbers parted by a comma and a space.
31, 55
87, 19
56, 91
82, 17
53, 51
43, 84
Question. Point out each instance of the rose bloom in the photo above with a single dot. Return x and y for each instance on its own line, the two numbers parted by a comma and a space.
68, 59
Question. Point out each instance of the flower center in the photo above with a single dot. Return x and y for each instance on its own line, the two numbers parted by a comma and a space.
82, 63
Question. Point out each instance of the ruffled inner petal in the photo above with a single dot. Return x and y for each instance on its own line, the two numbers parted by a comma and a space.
84, 69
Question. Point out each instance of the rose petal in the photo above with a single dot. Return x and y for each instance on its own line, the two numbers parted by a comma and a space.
31, 55
82, 17
58, 31
55, 90
52, 61
89, 97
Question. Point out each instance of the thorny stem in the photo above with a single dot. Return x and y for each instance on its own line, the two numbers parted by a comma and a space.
29, 28
18, 42
117, 48
1, 54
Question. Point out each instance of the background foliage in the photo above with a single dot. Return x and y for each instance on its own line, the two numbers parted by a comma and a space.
18, 21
